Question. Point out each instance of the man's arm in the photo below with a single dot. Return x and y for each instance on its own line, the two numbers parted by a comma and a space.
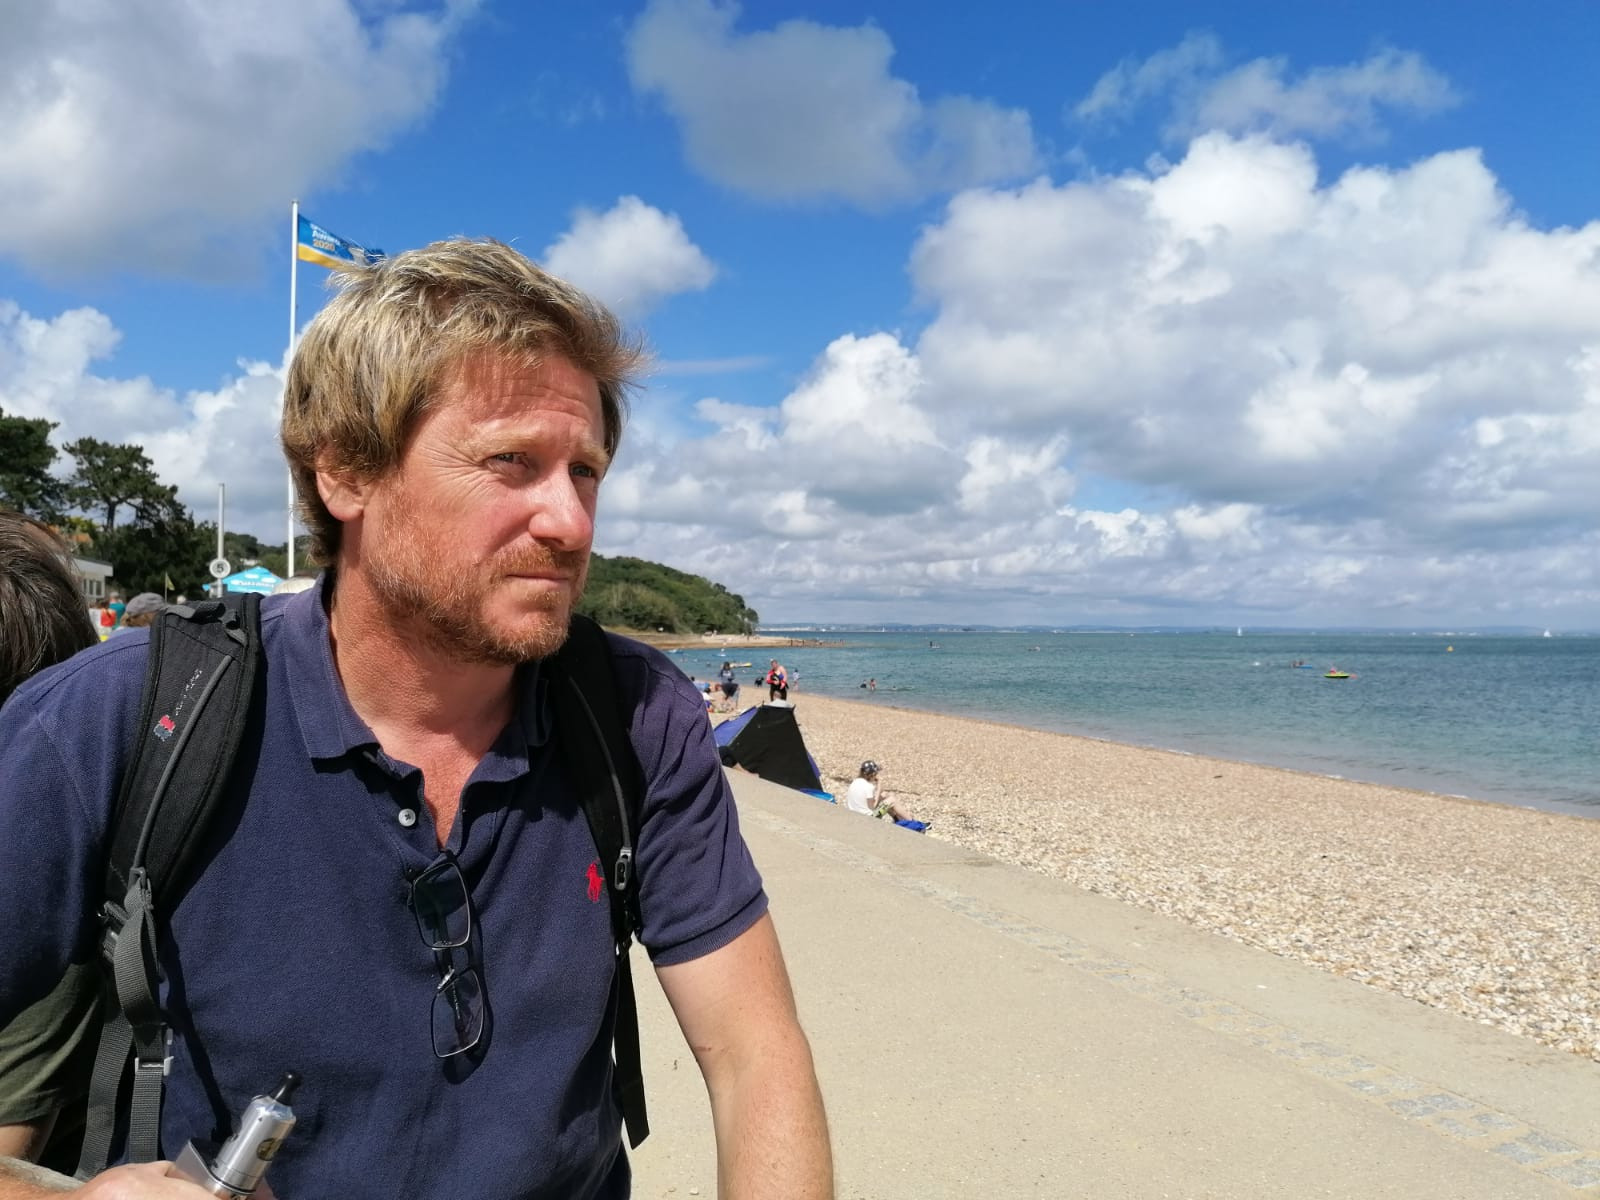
737, 1013
26, 1140
22, 1179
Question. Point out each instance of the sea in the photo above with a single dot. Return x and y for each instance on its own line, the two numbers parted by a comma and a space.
1510, 719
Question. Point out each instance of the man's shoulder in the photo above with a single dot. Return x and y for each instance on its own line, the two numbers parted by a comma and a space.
659, 701
98, 689
103, 675
66, 730
643, 671
108, 671
631, 650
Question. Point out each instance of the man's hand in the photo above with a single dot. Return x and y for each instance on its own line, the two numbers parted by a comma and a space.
144, 1181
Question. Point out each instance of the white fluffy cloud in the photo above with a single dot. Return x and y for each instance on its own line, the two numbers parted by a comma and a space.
806, 111
1372, 398
1229, 327
1261, 97
196, 440
631, 257
156, 135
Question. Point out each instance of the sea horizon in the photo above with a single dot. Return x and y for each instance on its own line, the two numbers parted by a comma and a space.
813, 628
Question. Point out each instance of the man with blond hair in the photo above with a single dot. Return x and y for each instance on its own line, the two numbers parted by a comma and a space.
448, 420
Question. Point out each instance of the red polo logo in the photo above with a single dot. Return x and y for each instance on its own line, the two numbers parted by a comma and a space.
597, 884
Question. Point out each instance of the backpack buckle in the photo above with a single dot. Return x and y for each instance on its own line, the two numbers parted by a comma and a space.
623, 875
155, 1066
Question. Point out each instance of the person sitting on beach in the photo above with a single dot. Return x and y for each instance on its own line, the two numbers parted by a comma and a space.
868, 798
777, 682
706, 693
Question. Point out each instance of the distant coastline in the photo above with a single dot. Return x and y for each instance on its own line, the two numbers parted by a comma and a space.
1229, 630
706, 641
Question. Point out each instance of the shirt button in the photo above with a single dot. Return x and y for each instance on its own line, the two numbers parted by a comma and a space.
407, 817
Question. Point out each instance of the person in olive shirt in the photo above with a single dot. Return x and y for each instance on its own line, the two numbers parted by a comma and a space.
43, 620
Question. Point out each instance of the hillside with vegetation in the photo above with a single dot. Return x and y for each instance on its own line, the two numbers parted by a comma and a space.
630, 593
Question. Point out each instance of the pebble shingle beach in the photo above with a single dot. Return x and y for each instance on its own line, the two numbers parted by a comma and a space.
1486, 910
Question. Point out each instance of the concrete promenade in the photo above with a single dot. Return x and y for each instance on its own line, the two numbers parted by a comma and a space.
981, 1031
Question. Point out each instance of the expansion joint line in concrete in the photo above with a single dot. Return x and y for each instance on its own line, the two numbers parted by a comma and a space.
1446, 1113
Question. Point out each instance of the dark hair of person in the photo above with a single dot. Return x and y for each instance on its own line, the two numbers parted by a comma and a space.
43, 615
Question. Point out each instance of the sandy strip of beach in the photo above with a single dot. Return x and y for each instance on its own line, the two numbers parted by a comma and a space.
1487, 910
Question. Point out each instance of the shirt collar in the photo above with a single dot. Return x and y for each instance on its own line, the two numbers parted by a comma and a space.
329, 724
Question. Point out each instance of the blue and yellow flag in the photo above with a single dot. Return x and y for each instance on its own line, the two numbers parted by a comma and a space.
315, 244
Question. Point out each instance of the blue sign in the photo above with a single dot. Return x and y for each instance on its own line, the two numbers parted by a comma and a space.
256, 579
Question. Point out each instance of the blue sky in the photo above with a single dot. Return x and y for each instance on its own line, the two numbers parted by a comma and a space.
1049, 313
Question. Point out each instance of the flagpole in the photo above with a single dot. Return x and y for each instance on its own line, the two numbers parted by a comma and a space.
294, 277
222, 521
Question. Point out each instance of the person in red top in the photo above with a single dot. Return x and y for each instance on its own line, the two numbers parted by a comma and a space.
777, 682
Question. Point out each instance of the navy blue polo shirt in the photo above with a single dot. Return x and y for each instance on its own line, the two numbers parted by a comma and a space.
294, 947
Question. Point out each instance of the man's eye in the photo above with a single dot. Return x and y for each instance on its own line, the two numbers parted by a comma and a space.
511, 458
585, 470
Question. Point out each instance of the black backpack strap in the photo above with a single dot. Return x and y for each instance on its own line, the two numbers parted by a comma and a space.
199, 684
602, 765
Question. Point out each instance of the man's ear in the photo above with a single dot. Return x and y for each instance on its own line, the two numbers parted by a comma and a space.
343, 493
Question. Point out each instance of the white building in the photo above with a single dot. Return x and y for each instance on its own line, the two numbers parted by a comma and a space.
93, 576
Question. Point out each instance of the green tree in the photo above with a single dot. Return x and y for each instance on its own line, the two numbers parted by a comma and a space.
630, 606
243, 550
161, 541
109, 476
26, 456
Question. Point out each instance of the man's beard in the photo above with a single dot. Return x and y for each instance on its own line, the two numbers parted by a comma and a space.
447, 609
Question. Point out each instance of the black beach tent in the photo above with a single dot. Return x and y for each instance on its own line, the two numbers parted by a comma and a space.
765, 740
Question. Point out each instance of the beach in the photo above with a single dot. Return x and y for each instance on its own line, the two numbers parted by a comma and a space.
1486, 910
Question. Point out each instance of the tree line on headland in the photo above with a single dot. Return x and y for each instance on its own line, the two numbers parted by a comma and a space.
631, 593
113, 507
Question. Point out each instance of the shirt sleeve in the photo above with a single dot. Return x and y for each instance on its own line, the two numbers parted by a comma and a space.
698, 887
47, 1051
